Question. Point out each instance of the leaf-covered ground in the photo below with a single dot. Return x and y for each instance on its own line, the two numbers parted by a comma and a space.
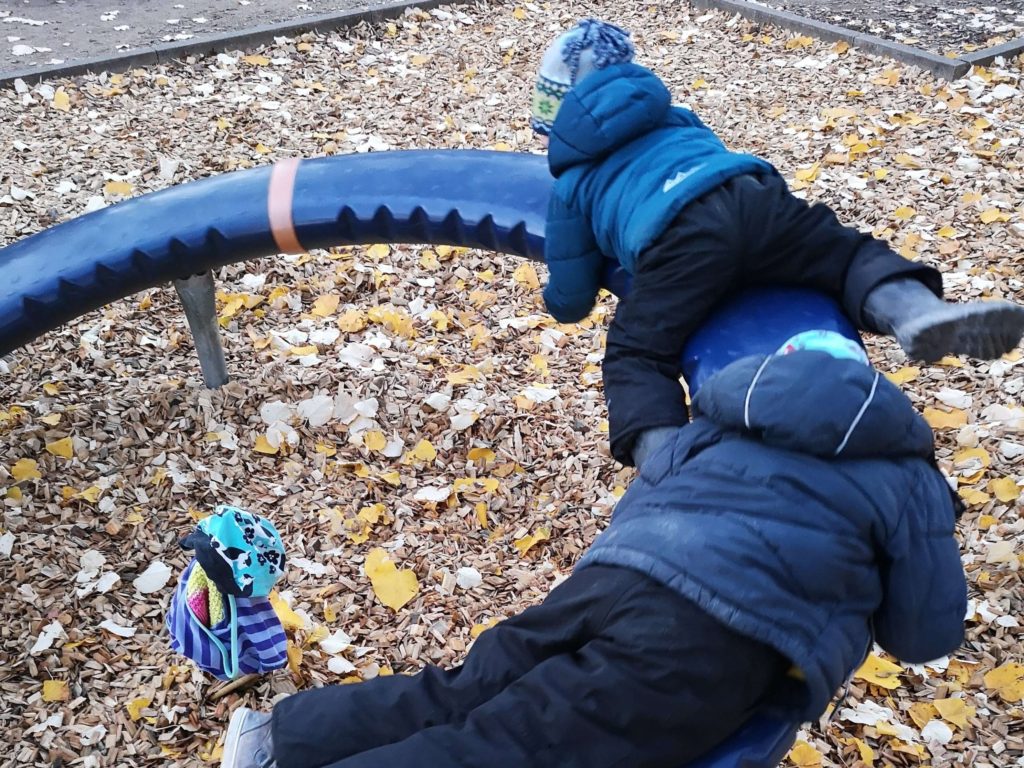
414, 409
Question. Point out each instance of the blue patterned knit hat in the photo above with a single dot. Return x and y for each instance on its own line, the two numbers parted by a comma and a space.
589, 46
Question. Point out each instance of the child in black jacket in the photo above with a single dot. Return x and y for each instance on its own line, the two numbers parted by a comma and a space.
798, 516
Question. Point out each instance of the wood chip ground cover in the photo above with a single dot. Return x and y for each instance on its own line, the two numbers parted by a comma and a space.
416, 404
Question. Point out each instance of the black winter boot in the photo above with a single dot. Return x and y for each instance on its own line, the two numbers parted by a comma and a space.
928, 327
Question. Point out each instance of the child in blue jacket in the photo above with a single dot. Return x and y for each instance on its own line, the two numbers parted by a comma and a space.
650, 186
797, 518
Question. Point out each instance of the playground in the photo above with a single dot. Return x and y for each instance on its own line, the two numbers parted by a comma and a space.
418, 401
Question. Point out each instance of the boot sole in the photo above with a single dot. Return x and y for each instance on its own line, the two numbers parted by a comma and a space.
986, 332
234, 734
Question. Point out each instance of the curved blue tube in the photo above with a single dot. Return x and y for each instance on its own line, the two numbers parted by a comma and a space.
492, 200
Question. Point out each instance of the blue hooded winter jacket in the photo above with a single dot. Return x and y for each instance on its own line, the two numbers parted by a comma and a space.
802, 508
626, 163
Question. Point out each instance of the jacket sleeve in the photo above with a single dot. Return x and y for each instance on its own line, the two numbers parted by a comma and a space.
574, 263
921, 617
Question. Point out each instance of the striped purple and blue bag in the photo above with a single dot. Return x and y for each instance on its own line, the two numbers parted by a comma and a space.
250, 640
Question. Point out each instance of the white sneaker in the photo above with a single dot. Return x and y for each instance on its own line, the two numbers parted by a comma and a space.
248, 743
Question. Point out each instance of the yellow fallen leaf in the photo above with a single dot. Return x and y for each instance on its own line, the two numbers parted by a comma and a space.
372, 513
888, 77
986, 521
135, 707
479, 629
809, 174
325, 306
294, 659
841, 47
52, 419
1005, 489
319, 633
974, 461
61, 101
481, 513
424, 451
256, 60
955, 711
62, 448
308, 349
439, 320
526, 276
326, 449
922, 713
881, 672
391, 478
378, 251
947, 231
800, 41
214, 753
1007, 680
993, 214
881, 173
393, 587
481, 455
944, 419
374, 440
25, 469
970, 198
289, 618
118, 188
905, 374
973, 497
263, 446
467, 374
867, 754
803, 755
357, 531
91, 494
56, 690
52, 388
352, 321
330, 612
14, 493
907, 161
524, 544
429, 260
904, 212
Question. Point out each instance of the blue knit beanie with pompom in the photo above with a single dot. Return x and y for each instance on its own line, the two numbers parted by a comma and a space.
589, 46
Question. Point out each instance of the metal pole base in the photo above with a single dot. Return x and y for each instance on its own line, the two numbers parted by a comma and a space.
197, 294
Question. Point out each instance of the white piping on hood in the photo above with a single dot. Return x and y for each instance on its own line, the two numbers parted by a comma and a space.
859, 416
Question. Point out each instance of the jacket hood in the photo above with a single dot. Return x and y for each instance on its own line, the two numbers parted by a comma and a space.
811, 402
604, 111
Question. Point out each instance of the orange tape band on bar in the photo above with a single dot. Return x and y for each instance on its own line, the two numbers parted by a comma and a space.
279, 205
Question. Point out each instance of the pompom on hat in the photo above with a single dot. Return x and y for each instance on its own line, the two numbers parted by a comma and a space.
590, 45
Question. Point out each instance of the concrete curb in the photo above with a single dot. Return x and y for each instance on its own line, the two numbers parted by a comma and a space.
987, 55
943, 67
219, 41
